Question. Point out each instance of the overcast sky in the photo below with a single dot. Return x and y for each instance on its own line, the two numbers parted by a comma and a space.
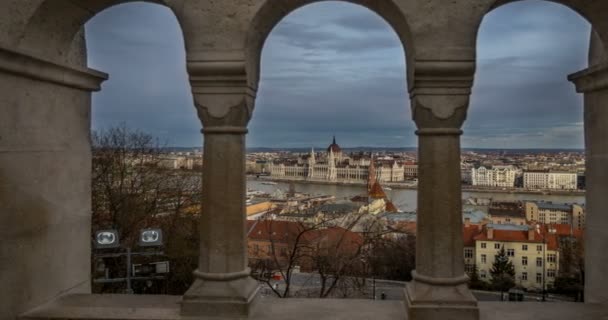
338, 68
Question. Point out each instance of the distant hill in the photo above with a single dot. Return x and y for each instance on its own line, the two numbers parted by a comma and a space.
385, 149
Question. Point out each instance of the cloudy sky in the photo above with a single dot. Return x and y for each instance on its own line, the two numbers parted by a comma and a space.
337, 68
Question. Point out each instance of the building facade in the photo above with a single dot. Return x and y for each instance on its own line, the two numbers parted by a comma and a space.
533, 252
335, 166
550, 180
497, 176
551, 213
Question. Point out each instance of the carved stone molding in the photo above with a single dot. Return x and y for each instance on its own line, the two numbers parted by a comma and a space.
591, 79
442, 87
442, 106
221, 92
29, 66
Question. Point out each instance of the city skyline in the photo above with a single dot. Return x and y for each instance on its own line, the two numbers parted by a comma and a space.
337, 68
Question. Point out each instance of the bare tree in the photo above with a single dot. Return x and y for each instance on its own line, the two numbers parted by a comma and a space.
337, 249
131, 190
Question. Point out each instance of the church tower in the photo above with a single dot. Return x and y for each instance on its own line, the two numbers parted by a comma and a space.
336, 150
311, 163
332, 173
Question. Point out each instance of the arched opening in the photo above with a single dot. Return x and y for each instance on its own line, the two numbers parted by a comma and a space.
523, 158
146, 152
333, 69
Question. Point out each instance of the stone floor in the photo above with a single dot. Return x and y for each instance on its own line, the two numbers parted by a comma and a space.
137, 307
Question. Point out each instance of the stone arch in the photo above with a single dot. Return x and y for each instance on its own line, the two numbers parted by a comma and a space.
595, 12
272, 12
557, 75
52, 29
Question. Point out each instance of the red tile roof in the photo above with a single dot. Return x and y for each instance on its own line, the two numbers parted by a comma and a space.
468, 234
521, 236
287, 231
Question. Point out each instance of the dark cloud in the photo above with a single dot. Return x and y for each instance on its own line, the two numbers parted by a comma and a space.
337, 68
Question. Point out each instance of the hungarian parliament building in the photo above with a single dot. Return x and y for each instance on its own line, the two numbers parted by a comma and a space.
333, 165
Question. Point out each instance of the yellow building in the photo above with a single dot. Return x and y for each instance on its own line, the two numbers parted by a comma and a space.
534, 253
555, 213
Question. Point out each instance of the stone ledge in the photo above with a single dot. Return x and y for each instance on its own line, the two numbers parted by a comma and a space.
140, 307
26, 65
591, 79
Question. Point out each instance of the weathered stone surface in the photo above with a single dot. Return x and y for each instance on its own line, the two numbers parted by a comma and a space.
45, 177
134, 307
45, 153
594, 83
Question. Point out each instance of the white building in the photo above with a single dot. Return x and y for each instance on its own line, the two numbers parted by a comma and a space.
498, 176
550, 180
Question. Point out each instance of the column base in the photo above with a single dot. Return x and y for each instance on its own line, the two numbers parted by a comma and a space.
223, 296
440, 298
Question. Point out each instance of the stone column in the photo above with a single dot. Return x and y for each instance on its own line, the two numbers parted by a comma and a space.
440, 98
593, 82
223, 285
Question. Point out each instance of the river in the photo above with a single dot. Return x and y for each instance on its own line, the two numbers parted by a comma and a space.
404, 199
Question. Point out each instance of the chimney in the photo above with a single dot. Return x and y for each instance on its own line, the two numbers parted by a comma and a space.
531, 232
490, 232
467, 222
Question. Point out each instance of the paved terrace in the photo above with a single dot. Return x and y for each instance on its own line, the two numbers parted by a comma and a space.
139, 307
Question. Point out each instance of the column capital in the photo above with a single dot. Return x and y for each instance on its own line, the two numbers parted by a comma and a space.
594, 78
222, 95
440, 92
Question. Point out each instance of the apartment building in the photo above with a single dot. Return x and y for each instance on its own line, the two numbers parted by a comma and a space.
533, 252
550, 180
555, 213
497, 176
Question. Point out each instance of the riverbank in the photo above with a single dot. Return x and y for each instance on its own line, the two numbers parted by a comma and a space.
394, 185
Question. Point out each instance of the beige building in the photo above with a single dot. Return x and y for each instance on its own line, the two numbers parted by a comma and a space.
551, 213
410, 170
335, 166
534, 253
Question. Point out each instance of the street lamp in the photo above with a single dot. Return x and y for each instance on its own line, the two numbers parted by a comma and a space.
106, 239
151, 238
109, 239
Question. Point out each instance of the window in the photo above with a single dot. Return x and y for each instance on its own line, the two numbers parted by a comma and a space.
510, 252
524, 247
524, 276
539, 248
284, 252
524, 261
539, 262
483, 258
469, 268
256, 249
482, 274
551, 258
483, 245
497, 246
468, 253
551, 273
539, 278
269, 249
